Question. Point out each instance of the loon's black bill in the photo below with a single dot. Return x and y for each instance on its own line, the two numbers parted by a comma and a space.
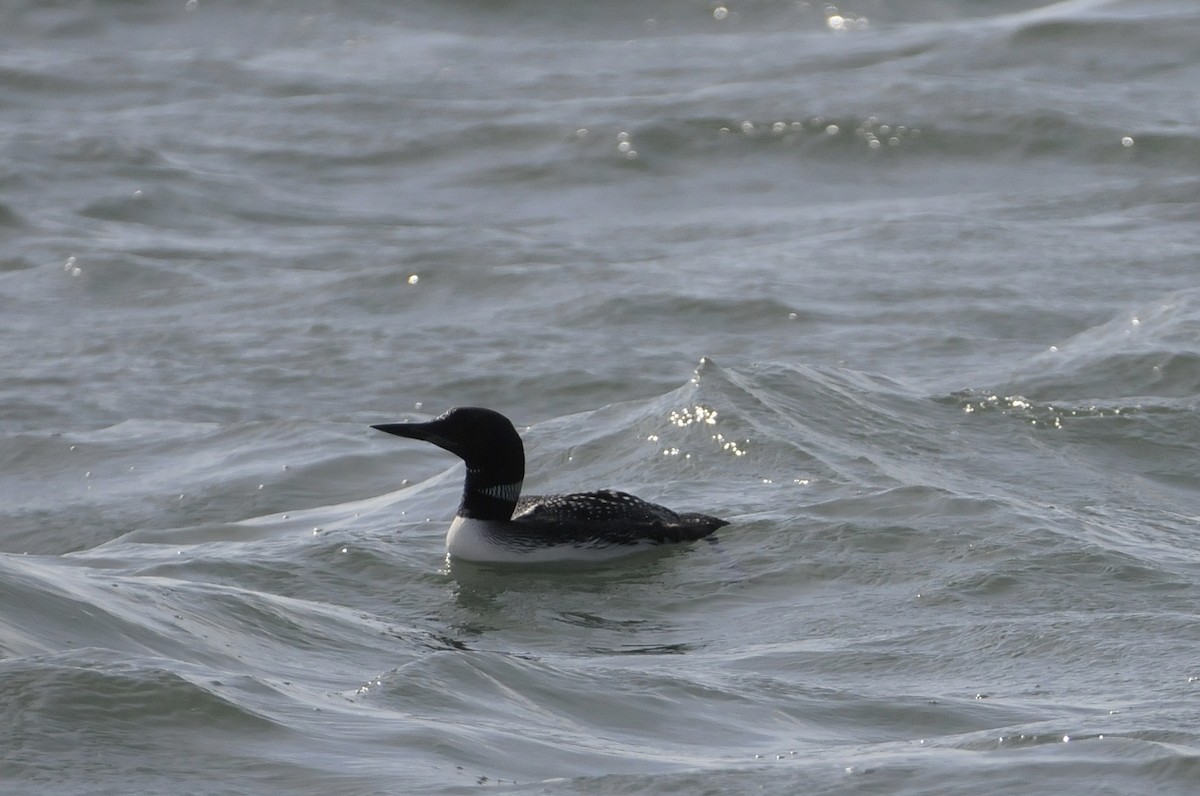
411, 430
428, 432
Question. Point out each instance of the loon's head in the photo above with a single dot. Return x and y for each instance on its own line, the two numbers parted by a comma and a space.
486, 441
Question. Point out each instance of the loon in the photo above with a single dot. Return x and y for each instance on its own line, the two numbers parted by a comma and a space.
495, 524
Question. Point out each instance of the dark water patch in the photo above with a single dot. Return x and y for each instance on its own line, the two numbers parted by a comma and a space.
94, 691
9, 218
38, 82
1096, 45
94, 148
91, 716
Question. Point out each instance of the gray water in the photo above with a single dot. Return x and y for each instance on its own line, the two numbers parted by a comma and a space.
905, 291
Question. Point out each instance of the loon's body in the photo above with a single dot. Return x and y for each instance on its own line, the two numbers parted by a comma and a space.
495, 524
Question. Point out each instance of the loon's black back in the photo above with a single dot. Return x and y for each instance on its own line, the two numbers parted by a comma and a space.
616, 517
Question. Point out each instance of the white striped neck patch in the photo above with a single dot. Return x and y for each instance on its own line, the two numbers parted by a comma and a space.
509, 493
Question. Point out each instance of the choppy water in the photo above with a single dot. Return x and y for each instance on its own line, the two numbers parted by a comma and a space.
905, 291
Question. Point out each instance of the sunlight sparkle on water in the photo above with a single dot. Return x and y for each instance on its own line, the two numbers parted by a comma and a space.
625, 145
697, 414
871, 131
728, 445
838, 21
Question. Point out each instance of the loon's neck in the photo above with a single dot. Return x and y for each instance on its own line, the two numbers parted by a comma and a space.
489, 496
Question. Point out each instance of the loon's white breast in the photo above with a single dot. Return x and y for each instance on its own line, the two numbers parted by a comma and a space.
482, 542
